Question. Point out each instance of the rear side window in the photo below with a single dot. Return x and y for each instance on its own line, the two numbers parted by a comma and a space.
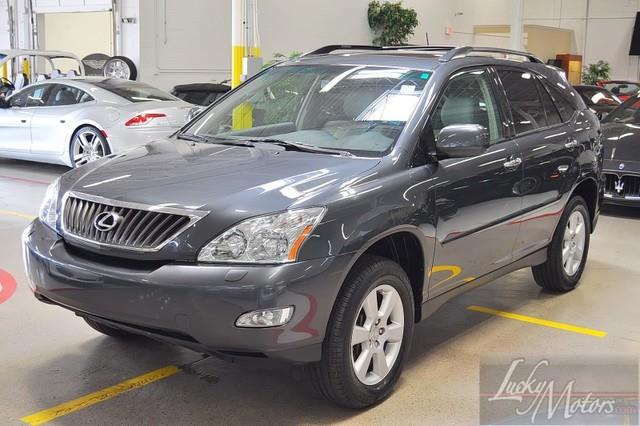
526, 106
565, 108
553, 116
63, 95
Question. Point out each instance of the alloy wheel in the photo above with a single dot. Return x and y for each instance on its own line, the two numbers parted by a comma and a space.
377, 334
117, 68
87, 147
573, 243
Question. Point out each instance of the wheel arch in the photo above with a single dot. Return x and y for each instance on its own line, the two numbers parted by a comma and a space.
589, 190
404, 246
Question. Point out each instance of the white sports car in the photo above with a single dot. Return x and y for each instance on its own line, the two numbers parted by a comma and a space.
77, 120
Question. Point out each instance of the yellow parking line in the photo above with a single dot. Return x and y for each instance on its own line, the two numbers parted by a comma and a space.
99, 396
538, 321
16, 214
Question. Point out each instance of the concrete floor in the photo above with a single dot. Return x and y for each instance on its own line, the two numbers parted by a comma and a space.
49, 356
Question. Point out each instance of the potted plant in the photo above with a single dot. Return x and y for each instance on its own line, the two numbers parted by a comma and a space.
392, 23
593, 73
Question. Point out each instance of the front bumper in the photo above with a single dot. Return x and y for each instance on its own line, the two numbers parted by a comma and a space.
192, 305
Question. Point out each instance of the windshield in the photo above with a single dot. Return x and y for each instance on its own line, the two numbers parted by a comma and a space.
624, 89
358, 109
600, 97
133, 91
628, 112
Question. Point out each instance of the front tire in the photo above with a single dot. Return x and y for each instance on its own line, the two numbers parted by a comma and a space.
368, 336
567, 253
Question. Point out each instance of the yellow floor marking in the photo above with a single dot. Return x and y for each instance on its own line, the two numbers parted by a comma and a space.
538, 321
16, 214
99, 396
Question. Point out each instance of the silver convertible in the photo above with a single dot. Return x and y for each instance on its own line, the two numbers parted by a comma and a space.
78, 120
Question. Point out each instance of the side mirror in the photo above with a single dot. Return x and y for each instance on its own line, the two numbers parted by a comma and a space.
462, 140
4, 103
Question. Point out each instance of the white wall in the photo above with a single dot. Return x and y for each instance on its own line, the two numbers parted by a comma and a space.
4, 25
194, 44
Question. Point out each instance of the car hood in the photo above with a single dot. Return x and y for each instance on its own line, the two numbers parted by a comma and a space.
621, 142
234, 181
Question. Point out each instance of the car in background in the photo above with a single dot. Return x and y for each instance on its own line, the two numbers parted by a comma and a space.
621, 88
19, 68
202, 94
621, 135
599, 99
75, 121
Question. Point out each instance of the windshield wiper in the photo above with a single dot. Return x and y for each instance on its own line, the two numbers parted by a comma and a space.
213, 139
303, 147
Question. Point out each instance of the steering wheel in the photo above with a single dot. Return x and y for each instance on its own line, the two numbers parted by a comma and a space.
6, 86
5, 82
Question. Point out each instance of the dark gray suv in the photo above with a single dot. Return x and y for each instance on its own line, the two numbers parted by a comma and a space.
320, 210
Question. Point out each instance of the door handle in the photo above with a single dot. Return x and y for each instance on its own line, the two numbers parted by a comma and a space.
571, 144
23, 121
513, 163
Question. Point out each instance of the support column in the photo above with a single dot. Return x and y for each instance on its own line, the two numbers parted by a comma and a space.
517, 24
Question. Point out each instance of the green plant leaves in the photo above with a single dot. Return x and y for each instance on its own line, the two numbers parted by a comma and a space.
392, 23
593, 73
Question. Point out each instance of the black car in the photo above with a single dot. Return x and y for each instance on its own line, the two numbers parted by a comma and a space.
600, 100
325, 206
621, 130
203, 94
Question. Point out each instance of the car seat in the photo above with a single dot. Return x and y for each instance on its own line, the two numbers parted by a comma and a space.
72, 73
20, 81
56, 73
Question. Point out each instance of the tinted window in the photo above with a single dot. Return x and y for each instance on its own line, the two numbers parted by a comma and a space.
565, 108
553, 116
67, 95
628, 112
596, 96
30, 97
625, 89
468, 99
524, 99
134, 91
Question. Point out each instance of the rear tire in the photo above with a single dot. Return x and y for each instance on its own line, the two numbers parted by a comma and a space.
363, 357
110, 331
87, 144
567, 253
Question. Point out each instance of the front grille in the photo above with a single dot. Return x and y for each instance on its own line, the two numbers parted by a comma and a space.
137, 227
627, 186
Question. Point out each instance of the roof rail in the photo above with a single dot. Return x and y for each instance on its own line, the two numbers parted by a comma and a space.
467, 50
333, 47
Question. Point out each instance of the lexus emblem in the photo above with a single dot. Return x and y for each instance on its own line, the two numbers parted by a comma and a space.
619, 186
106, 221
621, 166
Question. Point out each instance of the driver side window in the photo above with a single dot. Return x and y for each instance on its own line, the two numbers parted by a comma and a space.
468, 100
30, 97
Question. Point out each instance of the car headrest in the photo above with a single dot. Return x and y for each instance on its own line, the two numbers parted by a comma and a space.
72, 73
65, 97
457, 110
20, 81
41, 77
56, 73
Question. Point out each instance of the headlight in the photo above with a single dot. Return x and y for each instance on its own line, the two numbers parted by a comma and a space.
274, 238
48, 209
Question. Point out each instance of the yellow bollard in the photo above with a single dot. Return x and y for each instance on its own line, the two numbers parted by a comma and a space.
5, 71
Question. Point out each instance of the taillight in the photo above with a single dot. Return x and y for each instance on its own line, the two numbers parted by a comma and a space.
142, 119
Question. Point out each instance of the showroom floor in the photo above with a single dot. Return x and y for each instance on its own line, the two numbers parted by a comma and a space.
50, 357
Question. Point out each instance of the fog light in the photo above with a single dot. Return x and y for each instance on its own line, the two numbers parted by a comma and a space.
265, 318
